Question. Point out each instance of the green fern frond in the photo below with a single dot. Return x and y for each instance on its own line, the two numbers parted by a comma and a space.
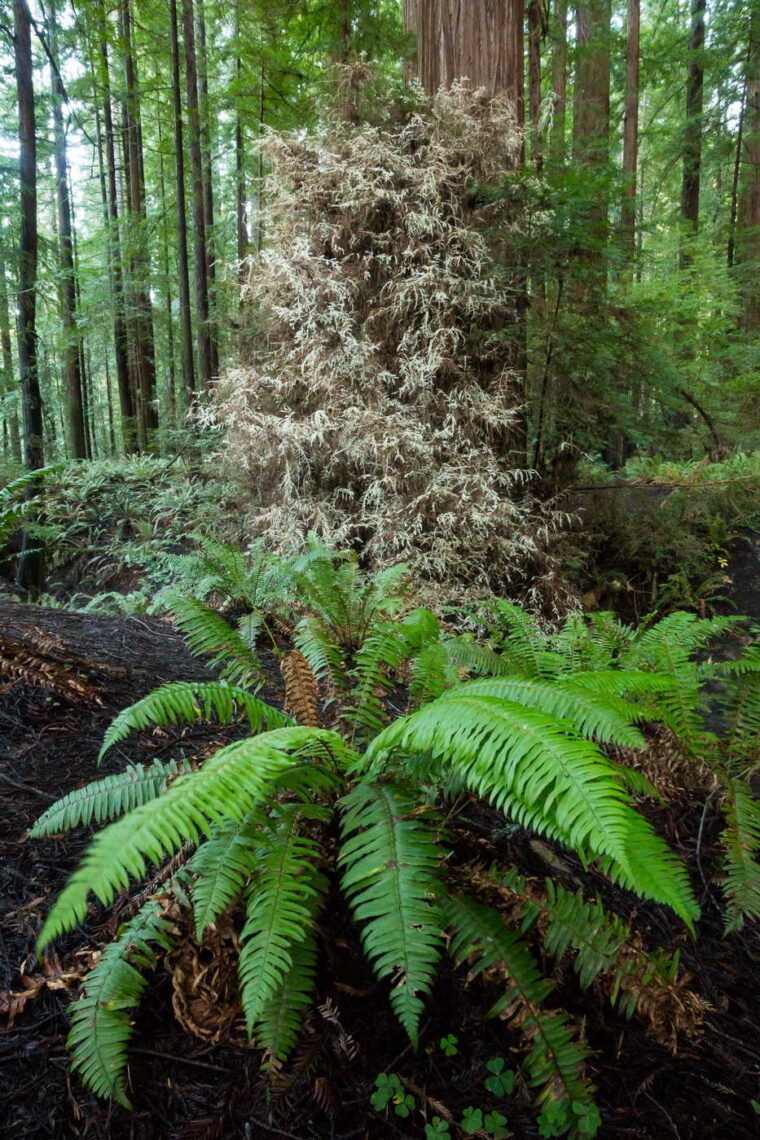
482, 661
228, 786
221, 866
280, 903
432, 674
390, 867
741, 840
594, 713
207, 633
102, 1018
555, 1061
534, 767
601, 944
525, 644
187, 702
591, 641
281, 1016
376, 662
741, 703
108, 798
324, 657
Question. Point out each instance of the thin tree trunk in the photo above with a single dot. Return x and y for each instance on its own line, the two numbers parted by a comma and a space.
692, 135
72, 354
120, 337
171, 388
631, 134
205, 354
183, 269
204, 118
751, 244
143, 346
243, 238
735, 176
31, 568
536, 35
11, 423
559, 80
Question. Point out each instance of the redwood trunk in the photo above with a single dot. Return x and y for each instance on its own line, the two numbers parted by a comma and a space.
72, 346
692, 136
752, 151
631, 133
31, 567
183, 274
481, 40
205, 354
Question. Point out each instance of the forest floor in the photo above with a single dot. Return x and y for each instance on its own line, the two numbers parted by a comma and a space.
185, 1088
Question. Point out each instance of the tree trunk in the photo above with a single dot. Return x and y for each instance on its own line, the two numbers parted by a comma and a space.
120, 338
751, 250
171, 386
241, 224
591, 117
72, 355
143, 347
183, 269
481, 40
559, 80
10, 422
204, 118
692, 135
536, 36
205, 354
31, 568
631, 135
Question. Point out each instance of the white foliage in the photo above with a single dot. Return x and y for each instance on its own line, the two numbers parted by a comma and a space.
379, 407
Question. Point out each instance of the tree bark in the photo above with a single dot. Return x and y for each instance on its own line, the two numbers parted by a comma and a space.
205, 353
751, 244
591, 117
183, 269
692, 135
204, 118
120, 337
143, 347
559, 80
31, 568
72, 340
10, 422
536, 35
481, 40
631, 134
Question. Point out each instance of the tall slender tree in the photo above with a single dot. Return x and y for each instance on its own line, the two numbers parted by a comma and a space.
692, 134
631, 133
31, 568
200, 248
183, 269
67, 288
109, 189
751, 252
142, 346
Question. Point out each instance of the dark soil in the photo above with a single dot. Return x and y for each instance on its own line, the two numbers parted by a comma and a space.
185, 1089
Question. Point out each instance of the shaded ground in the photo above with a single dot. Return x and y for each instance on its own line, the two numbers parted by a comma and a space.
185, 1089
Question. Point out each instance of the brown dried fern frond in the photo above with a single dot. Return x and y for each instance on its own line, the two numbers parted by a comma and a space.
20, 666
301, 690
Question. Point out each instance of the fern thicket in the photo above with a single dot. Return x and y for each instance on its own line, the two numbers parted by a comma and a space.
528, 734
